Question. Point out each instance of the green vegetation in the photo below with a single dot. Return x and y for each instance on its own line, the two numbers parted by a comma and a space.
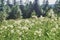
42, 28
30, 21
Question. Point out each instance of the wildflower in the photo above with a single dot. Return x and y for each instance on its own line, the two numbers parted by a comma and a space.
18, 31
11, 26
12, 31
52, 19
38, 32
32, 24
5, 27
19, 38
27, 21
57, 26
53, 29
34, 17
24, 28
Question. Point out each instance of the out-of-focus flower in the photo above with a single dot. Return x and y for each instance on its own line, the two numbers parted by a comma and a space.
4, 27
19, 38
57, 26
34, 17
27, 21
17, 31
12, 31
52, 19
24, 28
11, 26
38, 32
20, 33
53, 29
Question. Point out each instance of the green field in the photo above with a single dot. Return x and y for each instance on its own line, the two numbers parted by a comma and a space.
42, 28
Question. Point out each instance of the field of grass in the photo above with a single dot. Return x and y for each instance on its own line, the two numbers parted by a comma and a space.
42, 28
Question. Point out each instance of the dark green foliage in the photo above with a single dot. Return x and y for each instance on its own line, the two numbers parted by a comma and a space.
57, 7
15, 13
36, 8
3, 13
3, 16
26, 10
45, 7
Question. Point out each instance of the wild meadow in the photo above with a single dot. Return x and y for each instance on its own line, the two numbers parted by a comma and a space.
29, 20
42, 28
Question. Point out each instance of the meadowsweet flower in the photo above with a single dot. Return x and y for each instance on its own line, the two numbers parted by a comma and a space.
55, 18
52, 19
12, 31
27, 21
53, 29
57, 26
38, 32
5, 27
34, 17
20, 33
32, 24
24, 28
11, 26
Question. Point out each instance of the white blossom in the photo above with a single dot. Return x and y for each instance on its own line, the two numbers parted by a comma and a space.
53, 29
57, 26
38, 32
19, 38
12, 31
24, 28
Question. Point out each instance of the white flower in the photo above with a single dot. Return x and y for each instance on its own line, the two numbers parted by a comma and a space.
57, 26
52, 19
11, 26
27, 21
53, 29
12, 31
18, 31
24, 28
5, 27
19, 38
38, 32
34, 17
32, 24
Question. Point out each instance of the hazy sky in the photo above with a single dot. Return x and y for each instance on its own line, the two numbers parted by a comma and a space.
40, 1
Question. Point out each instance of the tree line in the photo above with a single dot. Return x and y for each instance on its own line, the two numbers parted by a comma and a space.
14, 11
